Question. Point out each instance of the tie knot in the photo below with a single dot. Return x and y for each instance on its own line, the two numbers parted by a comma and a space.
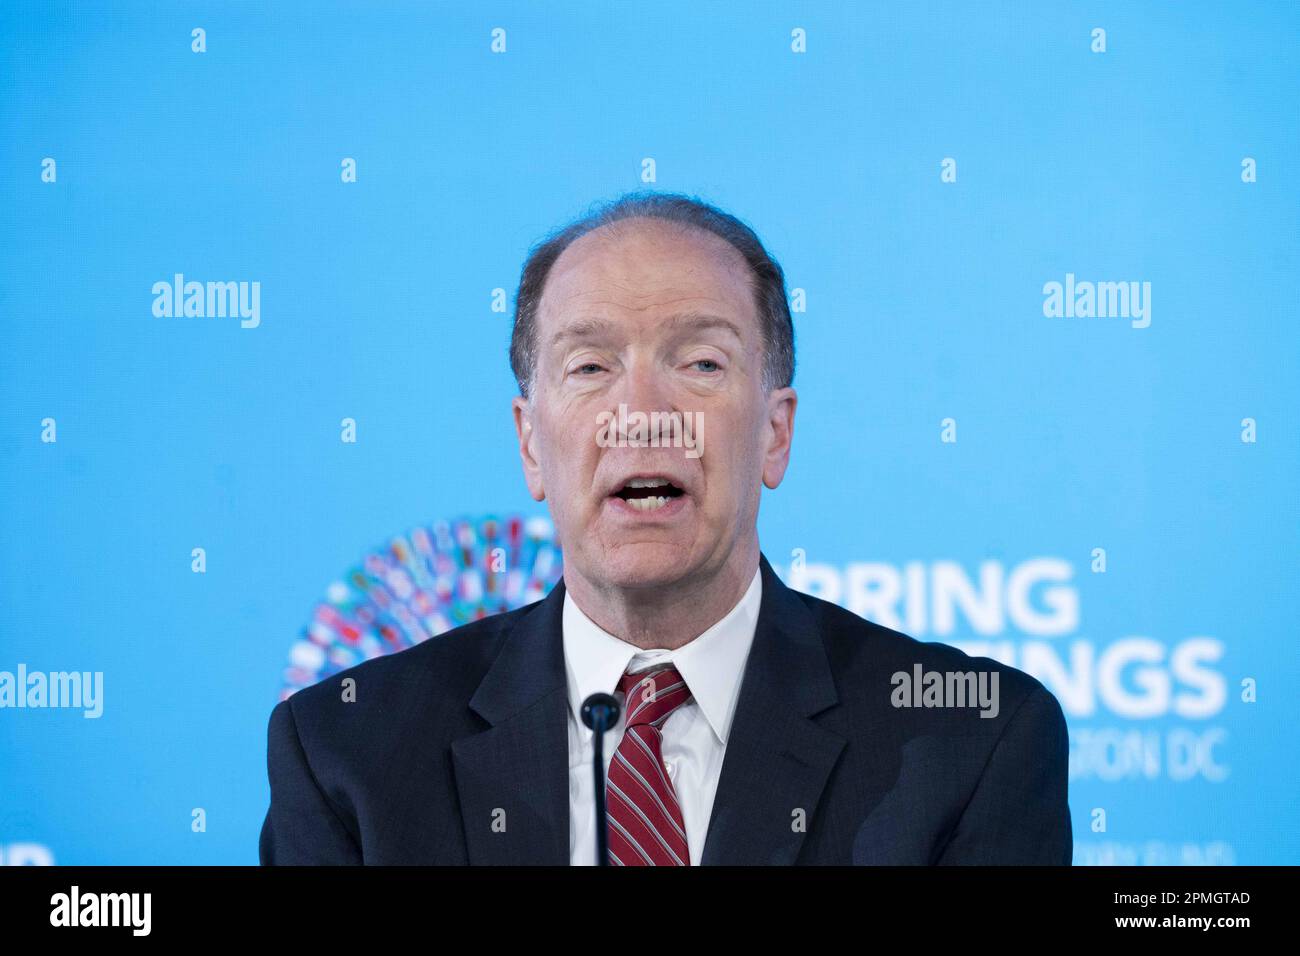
651, 695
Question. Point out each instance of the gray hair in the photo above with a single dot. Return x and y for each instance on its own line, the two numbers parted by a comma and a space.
768, 278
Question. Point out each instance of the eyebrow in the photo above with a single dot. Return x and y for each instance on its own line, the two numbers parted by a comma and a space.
585, 328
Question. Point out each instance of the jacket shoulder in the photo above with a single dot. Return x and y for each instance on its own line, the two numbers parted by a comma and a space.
864, 656
446, 667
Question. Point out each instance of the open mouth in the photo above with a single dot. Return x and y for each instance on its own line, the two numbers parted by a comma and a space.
649, 494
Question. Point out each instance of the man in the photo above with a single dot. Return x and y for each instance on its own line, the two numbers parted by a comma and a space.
760, 725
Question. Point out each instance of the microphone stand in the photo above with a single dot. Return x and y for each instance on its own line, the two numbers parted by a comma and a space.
600, 713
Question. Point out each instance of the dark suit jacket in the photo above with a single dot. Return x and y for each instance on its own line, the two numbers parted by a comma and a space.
456, 752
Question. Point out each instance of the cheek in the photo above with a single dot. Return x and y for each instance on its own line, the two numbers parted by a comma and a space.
740, 454
727, 464
572, 457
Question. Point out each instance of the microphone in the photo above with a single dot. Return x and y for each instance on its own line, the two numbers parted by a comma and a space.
600, 713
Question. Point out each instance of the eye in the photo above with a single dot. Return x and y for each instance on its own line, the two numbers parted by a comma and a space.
585, 365
716, 366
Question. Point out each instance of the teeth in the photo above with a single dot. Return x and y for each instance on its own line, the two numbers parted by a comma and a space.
647, 504
647, 482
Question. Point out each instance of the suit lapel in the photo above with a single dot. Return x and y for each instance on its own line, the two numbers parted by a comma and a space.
777, 759
512, 778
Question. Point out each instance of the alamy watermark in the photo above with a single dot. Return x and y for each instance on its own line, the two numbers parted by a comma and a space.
1102, 300
651, 429
81, 690
213, 300
130, 910
922, 688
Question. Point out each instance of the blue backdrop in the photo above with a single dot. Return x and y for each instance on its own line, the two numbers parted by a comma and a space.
1108, 500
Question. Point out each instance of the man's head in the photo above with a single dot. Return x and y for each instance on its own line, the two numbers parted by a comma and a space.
662, 304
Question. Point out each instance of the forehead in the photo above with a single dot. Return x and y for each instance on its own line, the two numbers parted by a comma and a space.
639, 271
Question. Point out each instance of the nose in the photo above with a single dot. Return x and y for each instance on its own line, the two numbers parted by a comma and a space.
644, 388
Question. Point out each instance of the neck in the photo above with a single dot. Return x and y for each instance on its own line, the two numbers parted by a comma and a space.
673, 615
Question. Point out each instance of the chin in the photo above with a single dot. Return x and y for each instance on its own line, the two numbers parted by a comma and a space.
647, 564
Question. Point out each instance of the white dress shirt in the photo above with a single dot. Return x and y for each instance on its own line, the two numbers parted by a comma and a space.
694, 735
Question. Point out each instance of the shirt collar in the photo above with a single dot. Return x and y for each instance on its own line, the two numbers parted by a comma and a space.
712, 665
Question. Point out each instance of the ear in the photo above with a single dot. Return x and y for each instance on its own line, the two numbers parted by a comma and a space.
527, 434
780, 433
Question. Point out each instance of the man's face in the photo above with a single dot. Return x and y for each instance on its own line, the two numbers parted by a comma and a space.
659, 319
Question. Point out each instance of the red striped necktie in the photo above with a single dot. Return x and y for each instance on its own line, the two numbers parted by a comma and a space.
645, 820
